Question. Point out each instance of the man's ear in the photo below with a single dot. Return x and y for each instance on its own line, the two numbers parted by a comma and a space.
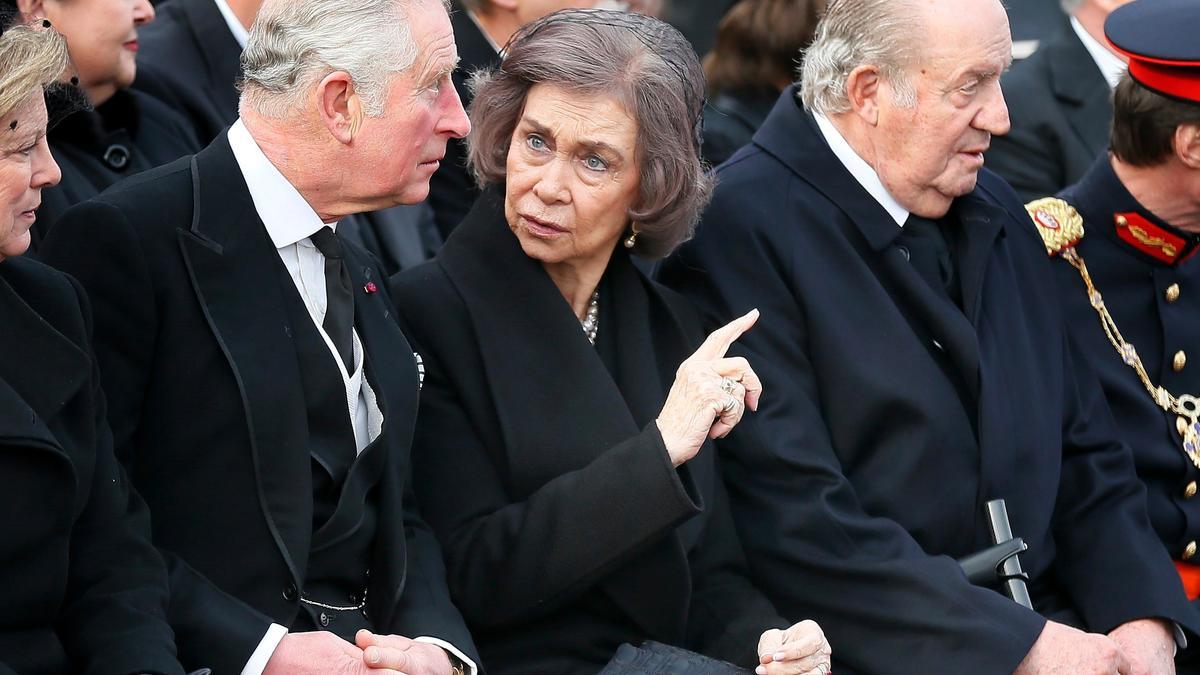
339, 106
863, 89
32, 9
1187, 145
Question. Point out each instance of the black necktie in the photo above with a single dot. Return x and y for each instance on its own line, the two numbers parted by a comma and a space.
929, 254
339, 299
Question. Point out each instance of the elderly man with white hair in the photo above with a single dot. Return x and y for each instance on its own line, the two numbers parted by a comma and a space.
915, 368
262, 395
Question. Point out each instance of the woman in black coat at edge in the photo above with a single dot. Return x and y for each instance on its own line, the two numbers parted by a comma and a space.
563, 451
83, 590
126, 131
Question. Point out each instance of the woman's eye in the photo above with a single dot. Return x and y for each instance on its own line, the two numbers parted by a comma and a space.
534, 141
595, 163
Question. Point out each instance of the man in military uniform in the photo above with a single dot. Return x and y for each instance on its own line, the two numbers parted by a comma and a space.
1131, 290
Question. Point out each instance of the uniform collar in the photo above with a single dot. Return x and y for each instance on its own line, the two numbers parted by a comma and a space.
1110, 208
287, 216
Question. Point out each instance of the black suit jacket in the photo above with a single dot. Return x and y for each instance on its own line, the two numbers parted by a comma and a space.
566, 530
864, 473
84, 591
1135, 289
452, 189
129, 133
209, 414
1061, 110
189, 59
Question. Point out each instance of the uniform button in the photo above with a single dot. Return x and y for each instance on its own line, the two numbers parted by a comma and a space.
324, 619
1121, 221
1172, 293
1190, 490
290, 593
1179, 361
1189, 550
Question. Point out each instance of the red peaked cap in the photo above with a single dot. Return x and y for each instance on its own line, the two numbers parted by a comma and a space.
1162, 40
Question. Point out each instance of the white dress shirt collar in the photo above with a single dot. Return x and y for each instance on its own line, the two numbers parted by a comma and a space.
287, 216
862, 172
1111, 66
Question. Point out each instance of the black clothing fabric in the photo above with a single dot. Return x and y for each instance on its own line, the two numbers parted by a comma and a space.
1137, 291
209, 409
84, 591
862, 476
452, 190
730, 120
189, 59
129, 133
566, 529
1060, 107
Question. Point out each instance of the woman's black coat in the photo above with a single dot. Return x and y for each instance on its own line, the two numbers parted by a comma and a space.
537, 461
127, 134
82, 588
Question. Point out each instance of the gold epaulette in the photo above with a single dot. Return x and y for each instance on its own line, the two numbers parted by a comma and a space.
1058, 222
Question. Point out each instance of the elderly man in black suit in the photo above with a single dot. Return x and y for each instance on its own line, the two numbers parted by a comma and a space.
913, 370
1061, 104
263, 396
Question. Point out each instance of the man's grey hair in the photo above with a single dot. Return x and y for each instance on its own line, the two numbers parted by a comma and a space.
642, 62
856, 33
295, 43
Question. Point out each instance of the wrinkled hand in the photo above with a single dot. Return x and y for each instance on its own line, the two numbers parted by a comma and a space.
698, 407
398, 653
1149, 646
1062, 650
318, 653
799, 650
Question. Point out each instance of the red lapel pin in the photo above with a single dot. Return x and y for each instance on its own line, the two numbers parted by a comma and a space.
370, 287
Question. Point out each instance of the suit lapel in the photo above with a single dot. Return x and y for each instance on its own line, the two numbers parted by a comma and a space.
558, 406
236, 272
1077, 81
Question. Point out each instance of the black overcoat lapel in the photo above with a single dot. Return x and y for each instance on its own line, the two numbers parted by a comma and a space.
219, 49
236, 273
796, 141
31, 396
557, 405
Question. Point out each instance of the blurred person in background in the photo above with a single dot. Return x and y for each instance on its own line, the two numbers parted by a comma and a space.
754, 60
1060, 104
126, 131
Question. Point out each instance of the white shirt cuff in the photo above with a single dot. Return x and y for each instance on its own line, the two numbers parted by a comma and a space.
472, 669
262, 654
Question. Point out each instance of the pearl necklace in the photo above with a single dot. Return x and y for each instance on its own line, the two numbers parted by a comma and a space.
591, 320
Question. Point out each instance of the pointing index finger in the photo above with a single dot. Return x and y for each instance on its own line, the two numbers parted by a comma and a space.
719, 341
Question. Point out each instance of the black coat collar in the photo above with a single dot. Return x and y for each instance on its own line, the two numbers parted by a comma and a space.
41, 369
557, 404
217, 46
1078, 83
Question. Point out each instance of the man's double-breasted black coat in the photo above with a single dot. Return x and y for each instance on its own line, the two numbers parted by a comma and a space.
83, 588
208, 408
890, 416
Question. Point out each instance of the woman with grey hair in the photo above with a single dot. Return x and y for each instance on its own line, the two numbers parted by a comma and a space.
83, 589
563, 449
